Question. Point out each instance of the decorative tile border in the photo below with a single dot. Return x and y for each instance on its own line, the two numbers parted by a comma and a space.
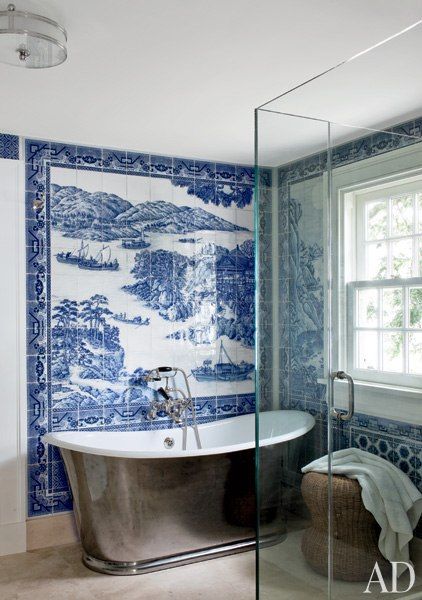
403, 453
9, 146
373, 144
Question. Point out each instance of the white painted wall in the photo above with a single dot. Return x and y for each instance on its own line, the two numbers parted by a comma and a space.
12, 361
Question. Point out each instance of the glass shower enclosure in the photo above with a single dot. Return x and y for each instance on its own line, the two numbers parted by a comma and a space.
339, 324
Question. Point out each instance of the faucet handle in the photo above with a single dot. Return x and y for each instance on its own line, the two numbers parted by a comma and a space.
163, 393
152, 414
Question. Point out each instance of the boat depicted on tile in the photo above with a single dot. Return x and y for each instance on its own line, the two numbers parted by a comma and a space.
224, 369
138, 243
73, 257
138, 320
100, 262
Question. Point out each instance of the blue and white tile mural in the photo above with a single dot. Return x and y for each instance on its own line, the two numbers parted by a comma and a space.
301, 306
133, 261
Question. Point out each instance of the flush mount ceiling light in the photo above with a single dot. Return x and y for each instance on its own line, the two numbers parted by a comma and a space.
30, 41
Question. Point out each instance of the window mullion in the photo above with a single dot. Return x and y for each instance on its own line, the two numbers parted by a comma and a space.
353, 329
415, 256
415, 240
388, 242
380, 335
406, 325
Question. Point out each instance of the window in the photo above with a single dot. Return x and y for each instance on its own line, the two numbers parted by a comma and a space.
384, 283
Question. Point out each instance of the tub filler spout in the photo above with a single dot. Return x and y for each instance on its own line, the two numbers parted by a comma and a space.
173, 401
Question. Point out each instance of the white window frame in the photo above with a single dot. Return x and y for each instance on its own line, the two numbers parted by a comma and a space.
353, 216
380, 376
380, 193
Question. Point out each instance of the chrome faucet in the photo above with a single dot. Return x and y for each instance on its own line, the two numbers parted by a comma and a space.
174, 402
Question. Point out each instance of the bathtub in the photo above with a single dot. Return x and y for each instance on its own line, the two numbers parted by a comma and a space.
142, 503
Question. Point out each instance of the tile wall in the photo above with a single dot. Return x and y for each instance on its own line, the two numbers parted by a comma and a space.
301, 308
133, 261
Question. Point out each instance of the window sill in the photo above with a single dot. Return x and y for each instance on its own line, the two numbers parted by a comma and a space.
391, 402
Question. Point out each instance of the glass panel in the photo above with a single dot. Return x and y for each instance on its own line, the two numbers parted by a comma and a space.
415, 307
419, 211
383, 357
367, 350
392, 307
368, 307
376, 261
329, 543
415, 353
351, 98
392, 352
376, 220
402, 258
402, 216
290, 389
293, 366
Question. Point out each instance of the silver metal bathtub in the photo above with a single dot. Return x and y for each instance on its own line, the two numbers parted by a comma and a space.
137, 514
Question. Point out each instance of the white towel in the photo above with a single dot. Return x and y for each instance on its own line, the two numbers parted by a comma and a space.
387, 493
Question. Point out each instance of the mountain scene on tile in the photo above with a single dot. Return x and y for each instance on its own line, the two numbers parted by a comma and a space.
179, 285
83, 326
141, 279
225, 278
102, 216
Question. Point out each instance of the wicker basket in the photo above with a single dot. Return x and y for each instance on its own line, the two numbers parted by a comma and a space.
355, 531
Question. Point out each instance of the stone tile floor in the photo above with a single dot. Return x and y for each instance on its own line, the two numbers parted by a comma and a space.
285, 575
58, 574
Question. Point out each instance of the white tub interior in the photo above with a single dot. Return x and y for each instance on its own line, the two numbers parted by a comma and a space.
218, 437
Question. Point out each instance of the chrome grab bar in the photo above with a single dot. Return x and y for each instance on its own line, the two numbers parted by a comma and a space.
341, 416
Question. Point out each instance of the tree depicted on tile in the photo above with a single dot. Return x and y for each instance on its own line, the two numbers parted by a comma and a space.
305, 308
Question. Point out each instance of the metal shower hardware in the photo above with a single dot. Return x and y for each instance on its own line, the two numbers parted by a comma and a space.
341, 416
175, 402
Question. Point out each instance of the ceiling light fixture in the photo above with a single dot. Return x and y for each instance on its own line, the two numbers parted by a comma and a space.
31, 41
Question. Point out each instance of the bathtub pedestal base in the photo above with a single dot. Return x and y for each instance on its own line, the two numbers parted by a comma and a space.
167, 562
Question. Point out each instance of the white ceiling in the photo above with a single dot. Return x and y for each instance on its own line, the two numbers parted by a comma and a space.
182, 77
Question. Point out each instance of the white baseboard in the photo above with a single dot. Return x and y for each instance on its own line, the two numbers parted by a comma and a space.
51, 530
12, 538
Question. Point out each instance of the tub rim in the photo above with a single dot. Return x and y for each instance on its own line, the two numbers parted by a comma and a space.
303, 422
